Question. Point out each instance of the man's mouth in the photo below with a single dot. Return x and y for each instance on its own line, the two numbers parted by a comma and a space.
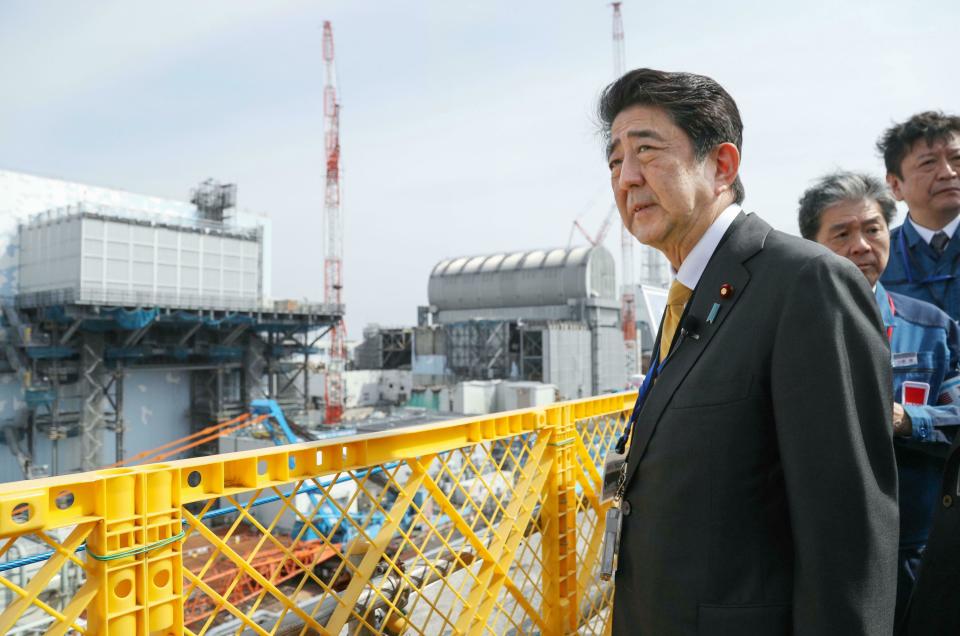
948, 190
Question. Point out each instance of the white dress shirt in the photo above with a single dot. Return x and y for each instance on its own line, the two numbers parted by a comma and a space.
927, 234
691, 269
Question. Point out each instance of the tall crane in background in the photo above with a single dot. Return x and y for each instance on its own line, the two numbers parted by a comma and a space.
333, 228
628, 298
601, 233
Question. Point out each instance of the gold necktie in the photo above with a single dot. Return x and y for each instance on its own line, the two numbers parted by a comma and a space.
677, 298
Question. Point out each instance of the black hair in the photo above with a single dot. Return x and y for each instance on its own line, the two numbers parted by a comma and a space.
695, 103
897, 140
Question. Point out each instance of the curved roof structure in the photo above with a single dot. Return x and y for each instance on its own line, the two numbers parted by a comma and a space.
523, 279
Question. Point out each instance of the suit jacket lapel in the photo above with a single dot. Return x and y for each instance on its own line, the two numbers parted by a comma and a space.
744, 239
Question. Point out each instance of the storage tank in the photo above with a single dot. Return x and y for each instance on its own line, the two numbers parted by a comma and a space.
523, 279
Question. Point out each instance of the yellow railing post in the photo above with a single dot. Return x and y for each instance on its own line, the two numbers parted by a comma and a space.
135, 558
559, 518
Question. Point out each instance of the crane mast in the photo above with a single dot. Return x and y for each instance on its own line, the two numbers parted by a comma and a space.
333, 230
628, 299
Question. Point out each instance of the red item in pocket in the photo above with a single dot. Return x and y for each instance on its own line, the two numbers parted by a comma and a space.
915, 393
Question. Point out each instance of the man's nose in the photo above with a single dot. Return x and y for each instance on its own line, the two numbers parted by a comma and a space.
946, 170
631, 174
860, 244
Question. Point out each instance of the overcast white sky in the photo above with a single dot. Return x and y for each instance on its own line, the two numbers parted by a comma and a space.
467, 127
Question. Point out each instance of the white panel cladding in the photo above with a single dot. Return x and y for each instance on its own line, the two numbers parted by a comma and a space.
567, 359
23, 195
50, 255
610, 359
109, 260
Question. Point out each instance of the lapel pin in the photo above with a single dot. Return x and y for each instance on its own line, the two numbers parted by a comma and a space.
726, 291
713, 313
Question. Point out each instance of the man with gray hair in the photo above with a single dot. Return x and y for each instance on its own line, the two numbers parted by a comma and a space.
850, 213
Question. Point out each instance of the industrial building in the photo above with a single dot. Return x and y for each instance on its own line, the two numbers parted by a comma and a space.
548, 316
134, 320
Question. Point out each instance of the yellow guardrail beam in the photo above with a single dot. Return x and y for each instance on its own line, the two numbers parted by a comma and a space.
497, 494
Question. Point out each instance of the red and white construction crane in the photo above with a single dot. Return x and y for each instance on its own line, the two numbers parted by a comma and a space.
628, 298
601, 233
333, 229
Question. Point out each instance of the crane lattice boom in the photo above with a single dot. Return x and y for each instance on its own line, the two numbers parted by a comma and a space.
333, 228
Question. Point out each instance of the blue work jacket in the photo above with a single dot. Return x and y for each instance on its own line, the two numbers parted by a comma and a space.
915, 270
925, 347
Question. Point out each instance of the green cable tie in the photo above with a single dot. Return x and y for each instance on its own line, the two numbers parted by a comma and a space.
147, 548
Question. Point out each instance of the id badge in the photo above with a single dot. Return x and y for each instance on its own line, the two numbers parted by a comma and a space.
613, 467
914, 392
611, 543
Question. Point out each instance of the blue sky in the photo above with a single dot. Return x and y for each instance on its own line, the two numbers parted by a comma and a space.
467, 127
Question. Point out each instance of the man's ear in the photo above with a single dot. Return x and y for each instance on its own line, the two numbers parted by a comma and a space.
728, 165
895, 185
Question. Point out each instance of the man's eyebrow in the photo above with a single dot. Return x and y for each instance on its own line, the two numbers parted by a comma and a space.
643, 133
842, 225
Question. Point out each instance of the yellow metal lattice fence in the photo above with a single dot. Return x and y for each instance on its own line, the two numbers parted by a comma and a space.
484, 525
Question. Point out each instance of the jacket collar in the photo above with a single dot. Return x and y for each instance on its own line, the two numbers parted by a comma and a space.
910, 233
883, 304
743, 240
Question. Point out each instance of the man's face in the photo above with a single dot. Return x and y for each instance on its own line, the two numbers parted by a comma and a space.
931, 180
857, 231
657, 182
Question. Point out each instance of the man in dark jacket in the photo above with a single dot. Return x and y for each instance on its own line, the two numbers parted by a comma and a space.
850, 213
935, 604
760, 490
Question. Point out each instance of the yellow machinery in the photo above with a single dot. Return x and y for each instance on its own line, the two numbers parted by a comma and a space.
492, 525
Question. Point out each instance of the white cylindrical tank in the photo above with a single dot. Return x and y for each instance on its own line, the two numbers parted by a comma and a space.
523, 279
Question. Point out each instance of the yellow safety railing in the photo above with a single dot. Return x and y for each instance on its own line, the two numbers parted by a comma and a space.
480, 525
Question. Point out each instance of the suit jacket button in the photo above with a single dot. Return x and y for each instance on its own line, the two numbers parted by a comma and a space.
947, 501
625, 508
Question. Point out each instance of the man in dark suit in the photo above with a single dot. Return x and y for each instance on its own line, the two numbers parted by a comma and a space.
935, 604
760, 489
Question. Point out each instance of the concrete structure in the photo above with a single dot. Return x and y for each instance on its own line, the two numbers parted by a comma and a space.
384, 348
475, 397
108, 294
369, 387
543, 315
